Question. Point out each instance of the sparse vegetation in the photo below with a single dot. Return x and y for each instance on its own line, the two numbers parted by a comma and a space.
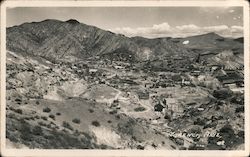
191, 86
20, 111
91, 110
113, 112
52, 116
44, 118
47, 109
96, 123
239, 109
76, 120
139, 109
109, 121
37, 130
67, 125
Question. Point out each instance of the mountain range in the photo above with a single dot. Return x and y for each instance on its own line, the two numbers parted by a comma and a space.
60, 40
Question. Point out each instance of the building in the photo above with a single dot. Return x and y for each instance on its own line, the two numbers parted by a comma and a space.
93, 70
231, 78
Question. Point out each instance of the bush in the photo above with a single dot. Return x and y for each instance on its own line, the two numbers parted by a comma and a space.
67, 125
58, 113
113, 112
140, 147
42, 123
200, 122
222, 94
96, 123
239, 109
139, 109
91, 110
76, 120
46, 109
109, 121
25, 131
44, 117
117, 117
52, 116
228, 135
19, 111
167, 116
37, 130
18, 100
37, 117
127, 127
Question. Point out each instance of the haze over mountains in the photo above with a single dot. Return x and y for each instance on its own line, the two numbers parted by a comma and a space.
54, 39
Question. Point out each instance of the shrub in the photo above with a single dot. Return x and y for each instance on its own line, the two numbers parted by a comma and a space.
76, 120
167, 116
37, 102
228, 135
37, 130
103, 146
140, 147
109, 121
127, 127
18, 100
42, 123
222, 94
67, 125
37, 117
113, 112
91, 110
117, 117
44, 117
199, 121
46, 109
96, 123
58, 113
19, 111
239, 109
139, 109
52, 116
76, 133
25, 131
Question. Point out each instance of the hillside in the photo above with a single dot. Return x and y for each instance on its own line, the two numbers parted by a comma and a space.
209, 42
74, 86
55, 40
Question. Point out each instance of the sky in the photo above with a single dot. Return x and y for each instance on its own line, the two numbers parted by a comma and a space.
148, 22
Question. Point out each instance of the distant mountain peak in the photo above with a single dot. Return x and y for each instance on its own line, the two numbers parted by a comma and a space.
72, 21
213, 34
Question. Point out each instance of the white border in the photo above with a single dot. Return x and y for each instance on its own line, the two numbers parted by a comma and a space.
65, 152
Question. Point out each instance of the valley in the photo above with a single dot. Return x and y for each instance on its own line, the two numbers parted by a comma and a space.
93, 89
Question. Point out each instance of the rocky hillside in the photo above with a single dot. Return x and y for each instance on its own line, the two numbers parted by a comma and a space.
55, 39
210, 42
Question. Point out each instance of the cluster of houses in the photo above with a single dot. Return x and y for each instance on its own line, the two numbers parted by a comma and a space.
232, 79
169, 106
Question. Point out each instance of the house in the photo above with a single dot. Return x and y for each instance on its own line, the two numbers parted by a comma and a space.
185, 82
119, 67
170, 102
195, 73
215, 67
93, 70
231, 77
